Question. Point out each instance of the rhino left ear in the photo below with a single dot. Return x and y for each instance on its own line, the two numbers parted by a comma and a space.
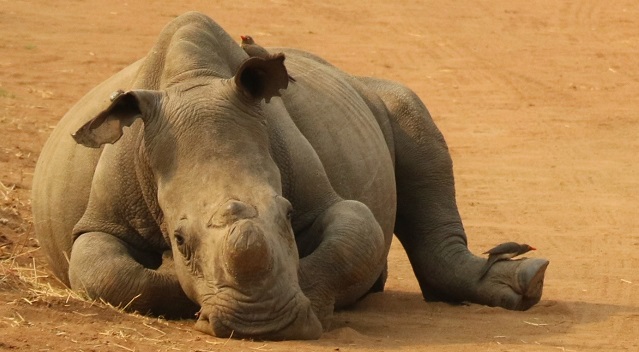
125, 108
259, 78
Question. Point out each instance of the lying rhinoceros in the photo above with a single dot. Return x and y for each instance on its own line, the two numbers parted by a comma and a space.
263, 205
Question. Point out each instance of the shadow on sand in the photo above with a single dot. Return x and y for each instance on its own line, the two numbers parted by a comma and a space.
393, 319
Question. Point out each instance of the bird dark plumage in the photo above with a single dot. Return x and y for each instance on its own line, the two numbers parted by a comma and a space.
255, 50
504, 251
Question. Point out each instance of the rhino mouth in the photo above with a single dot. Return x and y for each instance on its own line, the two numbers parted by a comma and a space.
270, 319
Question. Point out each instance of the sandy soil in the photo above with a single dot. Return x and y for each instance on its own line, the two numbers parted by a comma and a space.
537, 100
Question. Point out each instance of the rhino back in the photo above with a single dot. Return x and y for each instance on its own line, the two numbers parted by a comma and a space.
348, 130
63, 174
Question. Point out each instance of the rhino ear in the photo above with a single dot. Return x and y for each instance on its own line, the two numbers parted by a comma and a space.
107, 126
259, 78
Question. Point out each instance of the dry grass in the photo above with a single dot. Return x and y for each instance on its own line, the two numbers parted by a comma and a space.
17, 273
128, 332
33, 282
5, 191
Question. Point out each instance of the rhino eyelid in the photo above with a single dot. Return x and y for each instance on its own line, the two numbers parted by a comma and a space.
179, 237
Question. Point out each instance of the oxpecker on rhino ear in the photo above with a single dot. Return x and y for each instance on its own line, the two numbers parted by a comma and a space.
107, 126
259, 78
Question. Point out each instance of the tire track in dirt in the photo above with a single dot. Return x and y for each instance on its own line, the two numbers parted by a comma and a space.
585, 14
611, 33
584, 256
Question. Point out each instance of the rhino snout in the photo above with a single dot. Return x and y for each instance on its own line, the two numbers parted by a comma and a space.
295, 321
246, 251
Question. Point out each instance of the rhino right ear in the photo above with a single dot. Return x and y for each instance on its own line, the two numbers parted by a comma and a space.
262, 78
108, 126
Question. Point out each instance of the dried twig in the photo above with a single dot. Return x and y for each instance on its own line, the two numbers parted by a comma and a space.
131, 301
535, 324
154, 328
229, 339
122, 347
85, 314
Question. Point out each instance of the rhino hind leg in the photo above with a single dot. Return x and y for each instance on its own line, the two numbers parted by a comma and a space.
428, 223
104, 267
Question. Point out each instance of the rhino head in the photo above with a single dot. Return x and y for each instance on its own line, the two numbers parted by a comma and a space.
218, 189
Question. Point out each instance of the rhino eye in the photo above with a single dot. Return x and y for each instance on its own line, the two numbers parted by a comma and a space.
289, 213
179, 239
184, 244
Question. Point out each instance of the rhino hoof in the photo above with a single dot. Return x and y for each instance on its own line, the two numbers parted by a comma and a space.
530, 275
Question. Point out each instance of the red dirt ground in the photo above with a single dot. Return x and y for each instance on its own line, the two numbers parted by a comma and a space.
537, 100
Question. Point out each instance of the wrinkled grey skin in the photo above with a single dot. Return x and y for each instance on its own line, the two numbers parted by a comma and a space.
264, 217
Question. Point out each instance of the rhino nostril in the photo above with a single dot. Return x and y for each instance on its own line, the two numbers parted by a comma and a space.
202, 324
208, 325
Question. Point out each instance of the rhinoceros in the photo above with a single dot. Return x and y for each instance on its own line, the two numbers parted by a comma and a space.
212, 186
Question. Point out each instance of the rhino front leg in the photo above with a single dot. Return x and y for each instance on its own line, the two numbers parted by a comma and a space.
105, 267
348, 260
428, 223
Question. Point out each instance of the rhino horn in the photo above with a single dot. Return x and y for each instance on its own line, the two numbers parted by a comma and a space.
246, 251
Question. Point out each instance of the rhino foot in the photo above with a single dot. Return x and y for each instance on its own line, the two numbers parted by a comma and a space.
515, 292
530, 275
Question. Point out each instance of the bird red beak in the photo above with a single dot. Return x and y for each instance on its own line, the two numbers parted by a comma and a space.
243, 37
533, 248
